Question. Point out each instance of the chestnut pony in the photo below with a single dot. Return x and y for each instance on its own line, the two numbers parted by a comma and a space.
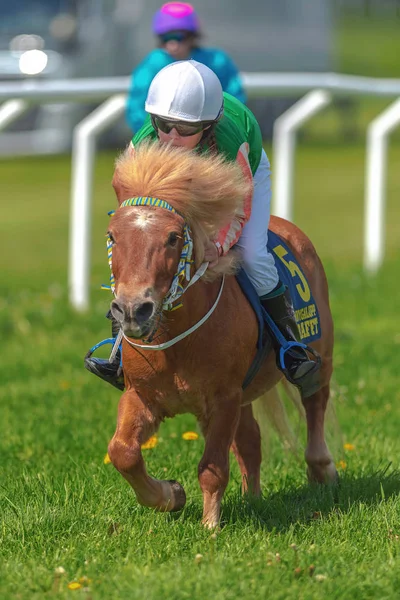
202, 373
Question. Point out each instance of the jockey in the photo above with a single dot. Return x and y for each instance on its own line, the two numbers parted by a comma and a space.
177, 29
188, 108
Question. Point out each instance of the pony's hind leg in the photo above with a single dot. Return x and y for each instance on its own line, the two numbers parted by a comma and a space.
213, 470
321, 467
247, 449
136, 423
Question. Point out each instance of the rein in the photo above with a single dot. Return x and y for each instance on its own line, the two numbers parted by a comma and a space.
177, 288
181, 336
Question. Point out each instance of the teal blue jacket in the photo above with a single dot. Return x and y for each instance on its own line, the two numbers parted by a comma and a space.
215, 59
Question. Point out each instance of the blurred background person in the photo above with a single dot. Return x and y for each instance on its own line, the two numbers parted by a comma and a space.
177, 27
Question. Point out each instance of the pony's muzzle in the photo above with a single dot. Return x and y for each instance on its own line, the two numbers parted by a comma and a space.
135, 317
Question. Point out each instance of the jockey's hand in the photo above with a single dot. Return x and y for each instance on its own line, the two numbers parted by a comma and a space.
211, 254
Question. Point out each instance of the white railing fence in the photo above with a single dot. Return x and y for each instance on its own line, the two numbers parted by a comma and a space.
319, 89
284, 145
83, 151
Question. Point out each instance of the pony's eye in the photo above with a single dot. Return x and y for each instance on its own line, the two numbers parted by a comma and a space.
110, 235
173, 239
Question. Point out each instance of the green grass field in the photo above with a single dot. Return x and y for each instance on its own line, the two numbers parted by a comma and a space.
61, 506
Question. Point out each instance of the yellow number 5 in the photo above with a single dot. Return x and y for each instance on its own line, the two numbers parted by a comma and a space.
303, 288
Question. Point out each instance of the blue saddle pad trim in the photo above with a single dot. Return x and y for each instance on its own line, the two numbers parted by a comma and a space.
249, 291
262, 348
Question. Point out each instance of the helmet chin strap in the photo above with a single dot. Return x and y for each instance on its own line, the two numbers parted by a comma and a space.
206, 133
154, 125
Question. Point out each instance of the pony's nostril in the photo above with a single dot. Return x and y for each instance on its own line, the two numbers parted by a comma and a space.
144, 312
116, 310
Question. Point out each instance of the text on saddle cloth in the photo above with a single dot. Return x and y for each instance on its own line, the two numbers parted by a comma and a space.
291, 274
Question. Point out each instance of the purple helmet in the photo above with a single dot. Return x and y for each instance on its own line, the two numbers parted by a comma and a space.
175, 16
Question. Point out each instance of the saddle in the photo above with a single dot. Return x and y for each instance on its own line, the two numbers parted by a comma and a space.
305, 307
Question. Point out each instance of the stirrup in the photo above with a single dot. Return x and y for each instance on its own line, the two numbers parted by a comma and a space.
309, 382
109, 370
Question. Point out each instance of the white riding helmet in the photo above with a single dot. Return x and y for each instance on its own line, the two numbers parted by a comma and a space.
186, 91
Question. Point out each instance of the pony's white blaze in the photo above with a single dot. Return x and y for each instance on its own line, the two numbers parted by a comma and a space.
143, 220
139, 218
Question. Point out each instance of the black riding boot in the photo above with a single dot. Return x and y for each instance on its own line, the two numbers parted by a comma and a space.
103, 368
299, 368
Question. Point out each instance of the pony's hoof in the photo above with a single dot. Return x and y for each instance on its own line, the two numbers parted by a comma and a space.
178, 496
326, 474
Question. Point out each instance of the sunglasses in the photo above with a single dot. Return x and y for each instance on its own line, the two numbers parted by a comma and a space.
174, 36
183, 129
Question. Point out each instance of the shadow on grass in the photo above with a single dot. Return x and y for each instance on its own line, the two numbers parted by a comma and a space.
304, 504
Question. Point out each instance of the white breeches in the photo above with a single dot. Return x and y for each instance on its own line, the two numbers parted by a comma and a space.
258, 262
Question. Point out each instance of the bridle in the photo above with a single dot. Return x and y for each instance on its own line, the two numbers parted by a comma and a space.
178, 287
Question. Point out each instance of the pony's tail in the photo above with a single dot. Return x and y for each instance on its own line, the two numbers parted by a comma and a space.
270, 413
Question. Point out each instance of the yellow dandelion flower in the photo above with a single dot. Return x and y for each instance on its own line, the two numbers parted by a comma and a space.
349, 447
151, 443
190, 435
74, 585
84, 580
107, 459
341, 465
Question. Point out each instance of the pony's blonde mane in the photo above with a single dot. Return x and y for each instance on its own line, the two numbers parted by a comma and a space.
207, 190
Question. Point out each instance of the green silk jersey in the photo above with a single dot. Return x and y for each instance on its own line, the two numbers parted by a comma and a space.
238, 126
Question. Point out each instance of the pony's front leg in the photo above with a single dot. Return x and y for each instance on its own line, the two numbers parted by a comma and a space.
136, 423
214, 465
321, 467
